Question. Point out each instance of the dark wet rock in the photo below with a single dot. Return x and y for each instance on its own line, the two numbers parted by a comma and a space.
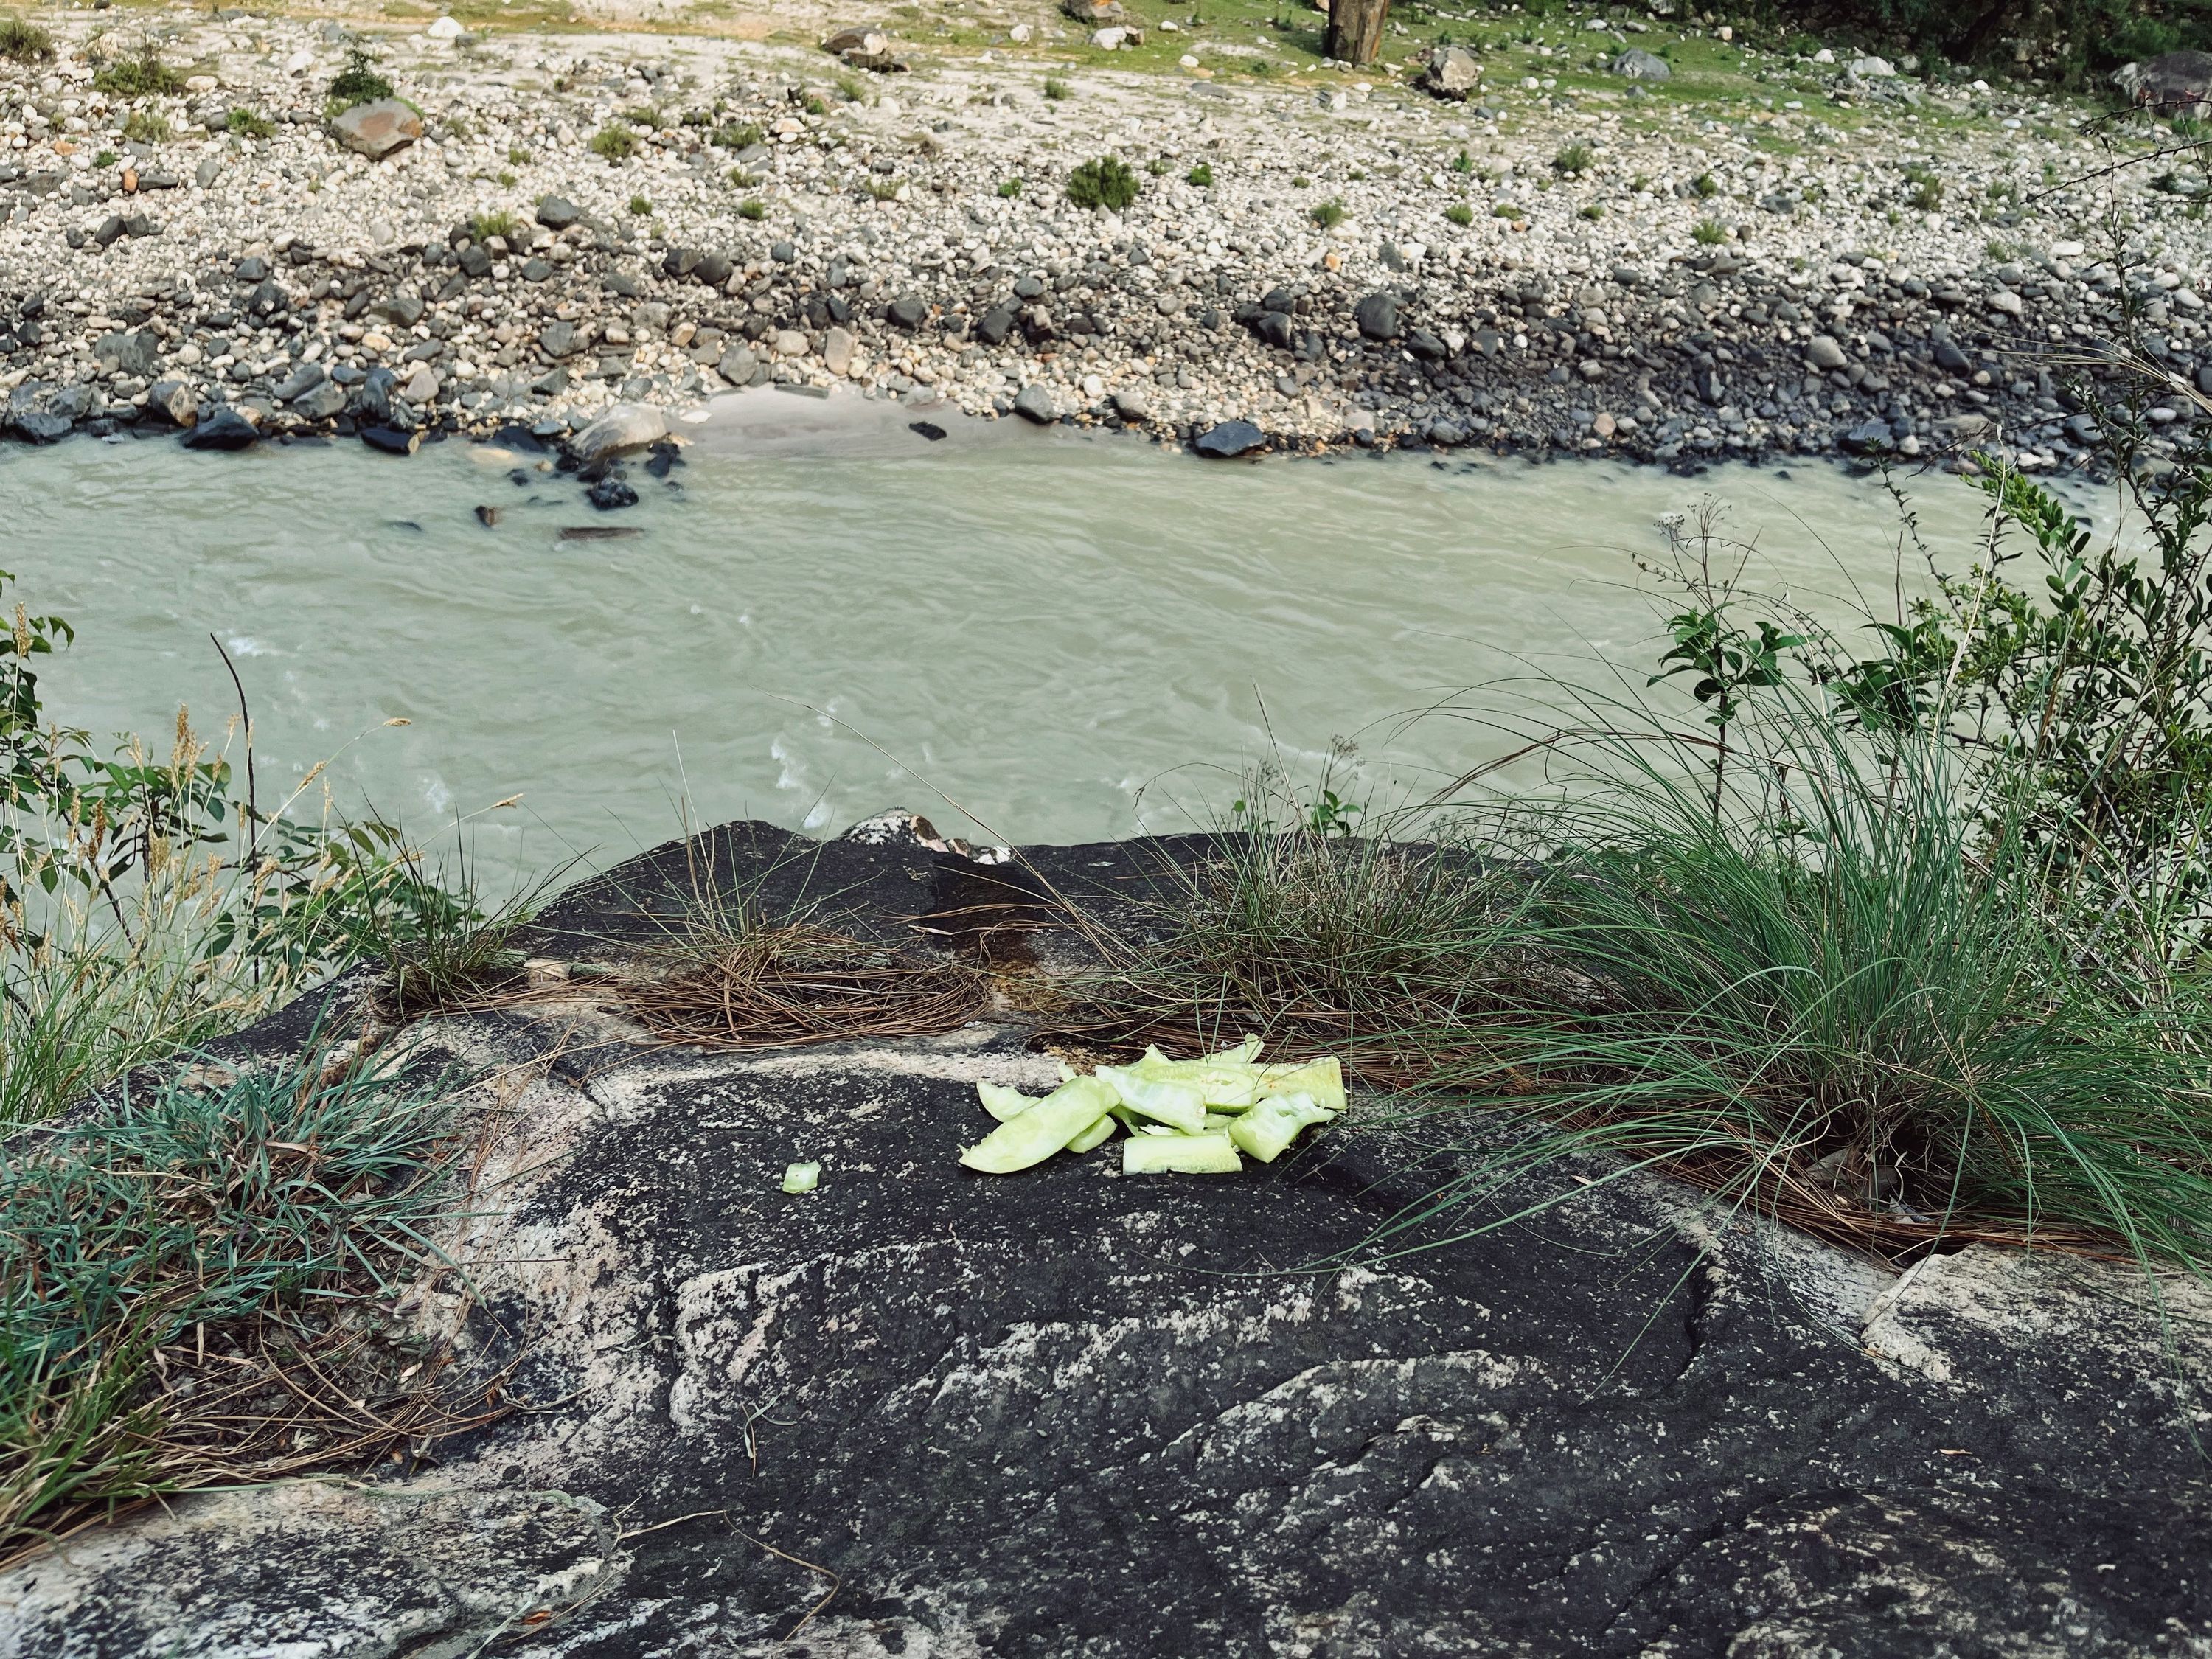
1273, 327
175, 399
475, 261
1231, 438
610, 494
374, 397
929, 429
43, 412
1034, 404
320, 402
558, 213
997, 324
391, 439
404, 309
1870, 437
301, 381
713, 270
252, 269
226, 429
908, 311
1377, 316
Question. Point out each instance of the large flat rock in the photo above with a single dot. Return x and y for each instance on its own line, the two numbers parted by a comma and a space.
1067, 1412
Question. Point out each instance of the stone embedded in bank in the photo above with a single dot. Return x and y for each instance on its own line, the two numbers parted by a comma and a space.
378, 129
625, 426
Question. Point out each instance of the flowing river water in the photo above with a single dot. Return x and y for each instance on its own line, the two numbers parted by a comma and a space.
823, 613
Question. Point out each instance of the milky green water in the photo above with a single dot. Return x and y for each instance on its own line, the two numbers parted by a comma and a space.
1071, 638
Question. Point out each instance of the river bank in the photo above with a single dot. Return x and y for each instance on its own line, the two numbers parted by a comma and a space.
1765, 255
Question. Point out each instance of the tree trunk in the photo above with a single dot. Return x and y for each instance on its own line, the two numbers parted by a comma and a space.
1355, 30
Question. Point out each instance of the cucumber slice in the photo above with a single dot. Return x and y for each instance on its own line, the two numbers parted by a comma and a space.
1002, 1103
1274, 1123
1173, 1102
1322, 1078
1179, 1154
1097, 1135
1042, 1130
801, 1177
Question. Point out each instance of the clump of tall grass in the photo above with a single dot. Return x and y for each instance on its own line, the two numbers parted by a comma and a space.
175, 1280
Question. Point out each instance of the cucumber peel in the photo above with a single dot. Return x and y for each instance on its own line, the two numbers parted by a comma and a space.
1179, 1154
1183, 1116
1036, 1134
1271, 1126
801, 1177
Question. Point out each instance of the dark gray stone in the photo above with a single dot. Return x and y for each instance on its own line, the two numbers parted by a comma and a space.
558, 213
42, 412
1868, 438
373, 397
1638, 64
475, 261
252, 269
224, 429
1034, 404
997, 324
908, 311
1231, 438
713, 270
133, 353
391, 439
557, 338
1377, 316
301, 381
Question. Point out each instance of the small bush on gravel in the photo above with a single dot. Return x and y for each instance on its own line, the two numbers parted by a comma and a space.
498, 222
145, 76
1010, 187
752, 209
247, 125
146, 126
1329, 215
1460, 214
1705, 185
1202, 175
1055, 88
1107, 182
358, 82
642, 117
1573, 158
24, 41
1709, 234
736, 135
107, 158
639, 206
615, 143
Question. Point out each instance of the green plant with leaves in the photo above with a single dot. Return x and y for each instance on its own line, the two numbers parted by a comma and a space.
1460, 214
614, 143
1709, 233
22, 41
496, 221
1572, 159
1057, 91
246, 124
752, 209
1329, 215
141, 75
1202, 175
1108, 183
1010, 188
357, 83
736, 135
147, 126
148, 1254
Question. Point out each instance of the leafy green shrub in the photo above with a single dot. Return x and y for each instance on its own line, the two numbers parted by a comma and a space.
140, 76
357, 83
1010, 188
23, 41
1202, 175
1709, 233
1056, 89
1107, 182
814, 106
1573, 158
1705, 186
1329, 215
615, 143
107, 158
246, 124
754, 210
1591, 210
1927, 193
499, 221
1463, 162
1460, 214
147, 126
640, 208
736, 135
643, 116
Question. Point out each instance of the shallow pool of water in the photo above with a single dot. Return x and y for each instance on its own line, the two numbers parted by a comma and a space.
1069, 637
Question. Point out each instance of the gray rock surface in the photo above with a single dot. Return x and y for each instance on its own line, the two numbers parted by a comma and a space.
626, 426
313, 1569
1071, 1413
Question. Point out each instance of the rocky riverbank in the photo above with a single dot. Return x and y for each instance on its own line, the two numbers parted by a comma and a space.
1816, 257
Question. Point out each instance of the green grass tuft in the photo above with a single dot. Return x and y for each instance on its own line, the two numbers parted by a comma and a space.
1107, 182
615, 143
246, 124
23, 41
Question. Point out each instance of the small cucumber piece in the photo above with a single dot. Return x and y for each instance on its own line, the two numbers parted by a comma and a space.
801, 1177
1179, 1154
1097, 1135
1322, 1078
1178, 1104
1274, 1123
1002, 1103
